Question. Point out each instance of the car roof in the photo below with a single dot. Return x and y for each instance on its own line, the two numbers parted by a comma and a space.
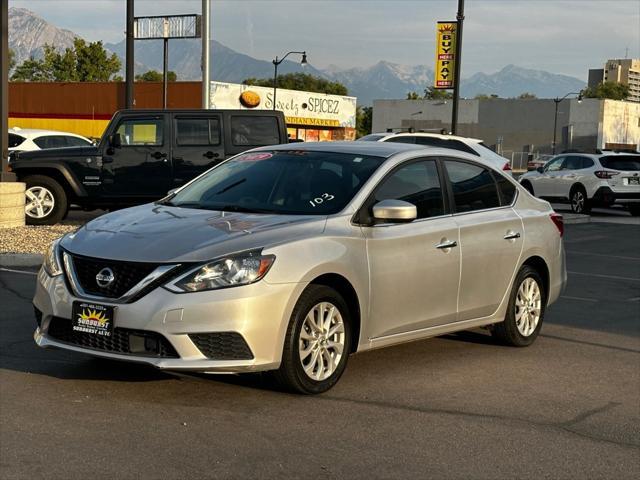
39, 132
374, 149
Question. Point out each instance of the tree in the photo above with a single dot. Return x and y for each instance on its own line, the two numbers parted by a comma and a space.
155, 76
364, 117
413, 96
527, 96
432, 93
301, 81
611, 90
85, 62
484, 96
12, 59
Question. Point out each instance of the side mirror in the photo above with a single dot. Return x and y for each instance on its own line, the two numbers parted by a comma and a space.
115, 141
540, 169
394, 211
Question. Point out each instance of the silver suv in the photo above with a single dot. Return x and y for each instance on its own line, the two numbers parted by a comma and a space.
290, 258
587, 180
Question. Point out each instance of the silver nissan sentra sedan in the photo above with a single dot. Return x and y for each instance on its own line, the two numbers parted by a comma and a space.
290, 258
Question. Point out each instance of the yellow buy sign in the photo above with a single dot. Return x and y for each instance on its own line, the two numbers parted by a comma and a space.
445, 54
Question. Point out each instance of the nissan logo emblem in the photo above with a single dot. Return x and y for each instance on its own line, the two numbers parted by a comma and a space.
105, 277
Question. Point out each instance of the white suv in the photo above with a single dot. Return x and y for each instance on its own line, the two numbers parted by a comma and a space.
29, 139
587, 180
474, 146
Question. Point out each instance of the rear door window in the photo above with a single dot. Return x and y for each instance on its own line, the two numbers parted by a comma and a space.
76, 142
573, 162
197, 131
51, 141
473, 186
254, 131
507, 189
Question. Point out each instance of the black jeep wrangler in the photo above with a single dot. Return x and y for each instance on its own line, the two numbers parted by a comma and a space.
142, 155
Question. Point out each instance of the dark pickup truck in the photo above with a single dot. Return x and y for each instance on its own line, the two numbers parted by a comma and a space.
142, 155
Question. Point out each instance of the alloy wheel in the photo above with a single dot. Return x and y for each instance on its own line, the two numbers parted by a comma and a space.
528, 306
322, 341
577, 201
40, 202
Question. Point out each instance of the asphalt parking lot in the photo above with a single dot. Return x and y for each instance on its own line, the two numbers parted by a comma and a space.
458, 406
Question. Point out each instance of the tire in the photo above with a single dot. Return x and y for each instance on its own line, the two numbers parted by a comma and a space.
49, 200
522, 334
634, 210
300, 338
579, 202
528, 187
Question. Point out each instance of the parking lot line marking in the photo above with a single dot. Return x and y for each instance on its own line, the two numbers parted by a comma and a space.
10, 270
637, 259
614, 277
634, 299
593, 300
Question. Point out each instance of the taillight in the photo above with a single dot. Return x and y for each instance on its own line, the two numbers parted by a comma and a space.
605, 173
506, 166
557, 220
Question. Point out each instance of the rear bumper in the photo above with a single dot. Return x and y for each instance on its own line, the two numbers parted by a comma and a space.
606, 196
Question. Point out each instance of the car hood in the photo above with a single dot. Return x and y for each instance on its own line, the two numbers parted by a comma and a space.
164, 234
58, 152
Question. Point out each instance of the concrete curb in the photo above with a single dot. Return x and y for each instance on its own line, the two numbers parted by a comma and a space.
20, 259
574, 218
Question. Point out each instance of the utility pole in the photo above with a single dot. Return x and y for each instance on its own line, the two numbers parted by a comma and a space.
206, 25
5, 175
457, 68
129, 68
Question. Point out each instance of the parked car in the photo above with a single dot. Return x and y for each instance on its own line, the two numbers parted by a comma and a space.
474, 146
290, 258
142, 154
588, 180
30, 139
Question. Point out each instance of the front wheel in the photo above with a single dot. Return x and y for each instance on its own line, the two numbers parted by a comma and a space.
46, 202
317, 343
526, 309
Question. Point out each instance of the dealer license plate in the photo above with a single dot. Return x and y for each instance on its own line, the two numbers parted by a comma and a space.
92, 318
633, 180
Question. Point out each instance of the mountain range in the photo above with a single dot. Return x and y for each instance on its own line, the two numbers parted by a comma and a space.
28, 33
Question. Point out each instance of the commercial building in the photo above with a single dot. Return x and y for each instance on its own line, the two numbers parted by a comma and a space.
625, 71
85, 108
311, 117
516, 128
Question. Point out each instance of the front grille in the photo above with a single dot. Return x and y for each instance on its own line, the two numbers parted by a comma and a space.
126, 275
222, 345
146, 343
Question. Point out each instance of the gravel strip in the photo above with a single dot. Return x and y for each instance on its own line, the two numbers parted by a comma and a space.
31, 239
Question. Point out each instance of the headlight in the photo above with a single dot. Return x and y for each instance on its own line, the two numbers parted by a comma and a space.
231, 271
51, 262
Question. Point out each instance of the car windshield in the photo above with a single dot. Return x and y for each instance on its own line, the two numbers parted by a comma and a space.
295, 182
622, 162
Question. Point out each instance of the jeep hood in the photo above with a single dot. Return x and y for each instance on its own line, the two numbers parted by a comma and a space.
88, 151
164, 234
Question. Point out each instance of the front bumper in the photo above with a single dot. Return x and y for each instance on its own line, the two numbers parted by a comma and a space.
259, 313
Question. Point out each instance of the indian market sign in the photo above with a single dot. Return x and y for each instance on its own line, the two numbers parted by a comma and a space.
445, 54
300, 108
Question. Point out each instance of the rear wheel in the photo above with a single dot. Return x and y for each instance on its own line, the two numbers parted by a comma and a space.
317, 344
634, 210
526, 309
579, 202
46, 202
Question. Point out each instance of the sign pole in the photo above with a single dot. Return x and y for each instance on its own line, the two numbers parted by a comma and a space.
165, 68
5, 175
129, 68
458, 62
206, 25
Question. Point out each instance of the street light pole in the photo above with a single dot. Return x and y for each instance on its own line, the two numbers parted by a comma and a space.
555, 116
277, 62
206, 27
129, 65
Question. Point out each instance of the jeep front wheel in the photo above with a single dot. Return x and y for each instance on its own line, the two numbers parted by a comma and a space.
46, 202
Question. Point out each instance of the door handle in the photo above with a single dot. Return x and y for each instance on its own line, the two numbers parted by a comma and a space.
158, 155
444, 244
511, 235
211, 154
178, 159
107, 159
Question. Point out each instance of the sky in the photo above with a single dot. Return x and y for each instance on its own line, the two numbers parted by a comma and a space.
560, 36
